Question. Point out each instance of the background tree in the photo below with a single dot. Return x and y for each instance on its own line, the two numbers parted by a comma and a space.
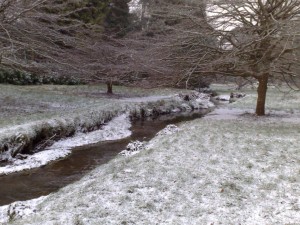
168, 42
256, 39
87, 39
168, 23
43, 36
60, 38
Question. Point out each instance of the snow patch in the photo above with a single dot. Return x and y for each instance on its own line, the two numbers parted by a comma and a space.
223, 97
147, 99
34, 161
133, 148
239, 171
18, 210
195, 100
225, 113
169, 129
117, 128
136, 146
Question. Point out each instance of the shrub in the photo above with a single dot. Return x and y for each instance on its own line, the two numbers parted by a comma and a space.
24, 78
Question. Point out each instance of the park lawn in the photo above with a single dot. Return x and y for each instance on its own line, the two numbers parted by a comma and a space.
34, 115
23, 104
230, 167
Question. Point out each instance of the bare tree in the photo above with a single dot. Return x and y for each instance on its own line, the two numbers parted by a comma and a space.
180, 40
256, 39
37, 38
67, 38
170, 24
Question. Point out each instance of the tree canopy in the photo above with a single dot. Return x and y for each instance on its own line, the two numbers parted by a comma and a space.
167, 41
256, 39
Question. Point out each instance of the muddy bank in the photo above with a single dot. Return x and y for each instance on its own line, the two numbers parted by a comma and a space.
32, 137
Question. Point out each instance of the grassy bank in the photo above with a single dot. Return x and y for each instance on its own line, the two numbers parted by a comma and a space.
33, 114
22, 104
229, 168
279, 100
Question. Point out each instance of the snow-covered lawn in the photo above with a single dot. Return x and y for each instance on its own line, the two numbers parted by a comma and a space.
279, 100
228, 168
23, 104
84, 115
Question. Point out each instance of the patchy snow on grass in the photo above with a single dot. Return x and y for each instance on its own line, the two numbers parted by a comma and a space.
169, 129
235, 170
223, 97
195, 100
147, 98
133, 148
136, 147
23, 104
224, 112
117, 128
230, 167
15, 139
18, 209
283, 100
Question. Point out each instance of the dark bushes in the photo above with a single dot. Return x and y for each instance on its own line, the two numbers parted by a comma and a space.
23, 78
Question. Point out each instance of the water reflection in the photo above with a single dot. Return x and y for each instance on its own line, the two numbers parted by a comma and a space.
42, 181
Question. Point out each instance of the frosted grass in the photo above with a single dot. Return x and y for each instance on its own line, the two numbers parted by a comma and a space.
279, 99
23, 104
83, 120
230, 167
229, 170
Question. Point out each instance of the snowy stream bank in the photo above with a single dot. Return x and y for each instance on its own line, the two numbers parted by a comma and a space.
109, 132
25, 137
117, 128
215, 170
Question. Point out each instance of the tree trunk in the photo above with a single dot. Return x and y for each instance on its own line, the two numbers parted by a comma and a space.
261, 95
109, 87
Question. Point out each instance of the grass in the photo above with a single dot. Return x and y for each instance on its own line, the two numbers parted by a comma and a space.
215, 170
22, 104
280, 99
33, 114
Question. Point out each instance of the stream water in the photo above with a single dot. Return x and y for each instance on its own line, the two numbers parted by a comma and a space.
42, 181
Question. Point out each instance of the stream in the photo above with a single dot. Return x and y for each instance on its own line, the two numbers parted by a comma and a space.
42, 181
